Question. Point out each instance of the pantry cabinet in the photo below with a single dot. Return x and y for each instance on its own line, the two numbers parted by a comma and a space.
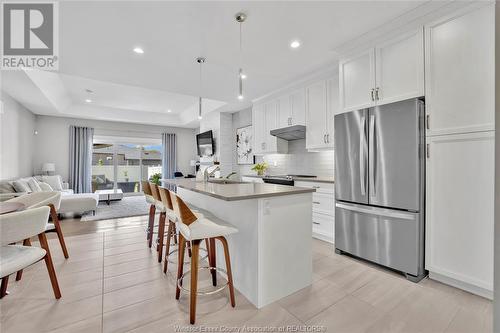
390, 72
459, 210
460, 73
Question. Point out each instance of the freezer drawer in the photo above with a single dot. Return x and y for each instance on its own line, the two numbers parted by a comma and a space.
388, 237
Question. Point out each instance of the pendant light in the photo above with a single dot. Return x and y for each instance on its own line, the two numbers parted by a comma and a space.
240, 18
200, 60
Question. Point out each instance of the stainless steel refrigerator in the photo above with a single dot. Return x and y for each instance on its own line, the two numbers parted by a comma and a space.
379, 185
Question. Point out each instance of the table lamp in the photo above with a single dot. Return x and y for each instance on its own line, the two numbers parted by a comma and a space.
48, 168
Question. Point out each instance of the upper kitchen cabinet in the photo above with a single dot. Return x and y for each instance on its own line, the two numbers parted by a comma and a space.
390, 72
399, 68
460, 75
321, 105
265, 119
357, 81
292, 109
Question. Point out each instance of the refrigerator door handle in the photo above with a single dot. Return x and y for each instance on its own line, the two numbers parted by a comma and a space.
362, 156
373, 155
377, 211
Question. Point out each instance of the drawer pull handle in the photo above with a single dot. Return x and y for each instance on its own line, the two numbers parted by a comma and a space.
316, 223
316, 202
316, 186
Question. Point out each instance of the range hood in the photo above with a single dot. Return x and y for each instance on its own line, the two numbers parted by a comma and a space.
290, 133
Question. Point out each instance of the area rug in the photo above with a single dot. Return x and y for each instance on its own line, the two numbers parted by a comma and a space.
128, 206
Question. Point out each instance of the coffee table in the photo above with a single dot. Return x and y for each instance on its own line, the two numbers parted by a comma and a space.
108, 195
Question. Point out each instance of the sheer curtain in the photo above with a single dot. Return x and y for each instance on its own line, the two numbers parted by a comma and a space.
169, 154
80, 158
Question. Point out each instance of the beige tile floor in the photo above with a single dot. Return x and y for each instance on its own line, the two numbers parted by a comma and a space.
113, 283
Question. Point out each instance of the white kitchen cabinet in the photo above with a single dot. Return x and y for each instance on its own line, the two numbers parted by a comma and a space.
399, 68
357, 81
264, 119
292, 109
258, 126
460, 72
321, 105
323, 221
392, 71
459, 210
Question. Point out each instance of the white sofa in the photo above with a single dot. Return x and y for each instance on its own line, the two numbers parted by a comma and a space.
71, 202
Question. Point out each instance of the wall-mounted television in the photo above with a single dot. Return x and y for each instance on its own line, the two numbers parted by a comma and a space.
205, 143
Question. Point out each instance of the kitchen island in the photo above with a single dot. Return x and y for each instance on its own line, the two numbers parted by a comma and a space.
271, 255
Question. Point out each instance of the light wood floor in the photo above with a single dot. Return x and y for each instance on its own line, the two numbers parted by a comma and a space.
113, 283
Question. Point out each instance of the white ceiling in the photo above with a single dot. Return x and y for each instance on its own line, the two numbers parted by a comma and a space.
97, 38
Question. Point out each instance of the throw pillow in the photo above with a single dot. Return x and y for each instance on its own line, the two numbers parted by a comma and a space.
45, 187
33, 184
7, 188
54, 182
21, 186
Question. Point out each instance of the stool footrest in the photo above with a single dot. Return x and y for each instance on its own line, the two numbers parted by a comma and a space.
205, 256
218, 289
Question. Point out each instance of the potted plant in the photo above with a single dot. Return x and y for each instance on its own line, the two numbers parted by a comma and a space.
260, 168
125, 174
155, 178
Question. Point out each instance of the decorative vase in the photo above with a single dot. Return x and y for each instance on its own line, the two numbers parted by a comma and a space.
260, 172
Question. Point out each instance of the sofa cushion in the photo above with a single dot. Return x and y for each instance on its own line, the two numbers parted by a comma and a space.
6, 187
33, 184
45, 187
54, 181
21, 185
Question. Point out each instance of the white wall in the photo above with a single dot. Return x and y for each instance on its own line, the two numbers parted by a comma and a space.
297, 161
52, 141
16, 147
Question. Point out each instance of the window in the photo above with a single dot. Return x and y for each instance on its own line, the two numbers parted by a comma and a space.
124, 165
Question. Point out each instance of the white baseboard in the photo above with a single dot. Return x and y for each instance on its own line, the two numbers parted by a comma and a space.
322, 237
462, 285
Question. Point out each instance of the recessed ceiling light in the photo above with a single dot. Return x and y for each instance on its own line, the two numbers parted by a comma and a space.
240, 97
294, 44
169, 110
88, 100
138, 50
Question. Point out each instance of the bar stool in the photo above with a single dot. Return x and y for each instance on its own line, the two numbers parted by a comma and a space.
194, 229
152, 211
172, 229
161, 224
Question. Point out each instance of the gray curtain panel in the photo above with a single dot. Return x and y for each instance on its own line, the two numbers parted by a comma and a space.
80, 158
169, 154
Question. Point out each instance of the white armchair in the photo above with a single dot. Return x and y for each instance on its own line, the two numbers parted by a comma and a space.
18, 226
40, 199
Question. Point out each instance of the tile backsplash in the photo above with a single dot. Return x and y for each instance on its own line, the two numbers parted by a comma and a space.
297, 161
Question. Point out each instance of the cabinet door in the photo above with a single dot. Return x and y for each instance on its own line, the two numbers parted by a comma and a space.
400, 68
284, 111
459, 207
460, 73
357, 79
316, 115
298, 107
332, 108
258, 128
270, 122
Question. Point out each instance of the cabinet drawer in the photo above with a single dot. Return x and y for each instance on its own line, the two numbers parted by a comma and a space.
319, 187
323, 203
323, 225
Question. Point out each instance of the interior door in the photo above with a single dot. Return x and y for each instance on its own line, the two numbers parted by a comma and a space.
351, 156
394, 158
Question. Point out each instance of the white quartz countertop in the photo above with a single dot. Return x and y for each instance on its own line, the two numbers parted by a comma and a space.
238, 191
302, 179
